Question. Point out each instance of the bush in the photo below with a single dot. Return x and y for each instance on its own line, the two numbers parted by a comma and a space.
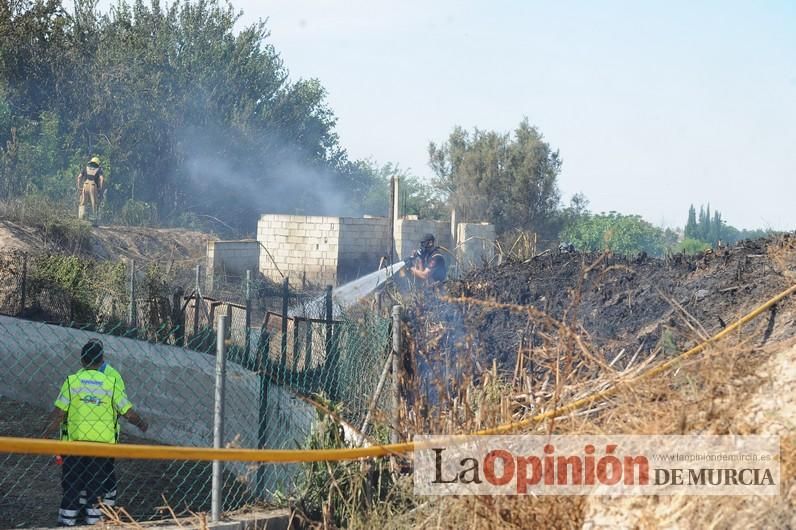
56, 220
691, 246
70, 288
341, 491
138, 213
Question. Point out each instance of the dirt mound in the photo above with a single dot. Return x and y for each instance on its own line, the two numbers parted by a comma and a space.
149, 243
172, 252
108, 242
635, 304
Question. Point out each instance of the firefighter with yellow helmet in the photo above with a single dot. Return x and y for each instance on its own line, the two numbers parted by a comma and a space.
90, 188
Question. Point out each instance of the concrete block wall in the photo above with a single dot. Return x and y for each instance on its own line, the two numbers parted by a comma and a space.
476, 245
408, 233
231, 258
333, 250
299, 245
363, 241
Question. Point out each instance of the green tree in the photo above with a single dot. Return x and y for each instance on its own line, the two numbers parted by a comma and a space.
190, 113
416, 197
622, 234
509, 180
691, 227
710, 230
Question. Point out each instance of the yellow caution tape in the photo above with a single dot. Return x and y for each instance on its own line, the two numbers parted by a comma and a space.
166, 452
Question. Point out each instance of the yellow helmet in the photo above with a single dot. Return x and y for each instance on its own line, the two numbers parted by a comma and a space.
95, 160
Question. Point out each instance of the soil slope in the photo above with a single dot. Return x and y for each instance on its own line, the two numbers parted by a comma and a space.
109, 242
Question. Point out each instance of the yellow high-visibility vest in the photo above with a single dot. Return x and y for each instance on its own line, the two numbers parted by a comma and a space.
92, 402
110, 371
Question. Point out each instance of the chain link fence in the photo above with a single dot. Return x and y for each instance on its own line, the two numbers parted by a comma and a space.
283, 367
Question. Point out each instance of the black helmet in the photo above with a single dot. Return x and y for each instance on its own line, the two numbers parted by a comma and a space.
426, 244
91, 353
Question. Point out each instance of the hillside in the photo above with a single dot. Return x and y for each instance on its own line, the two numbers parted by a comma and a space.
106, 242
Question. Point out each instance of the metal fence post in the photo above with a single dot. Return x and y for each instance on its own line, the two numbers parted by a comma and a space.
285, 296
218, 417
329, 315
262, 414
196, 303
132, 315
23, 296
308, 345
295, 343
247, 340
178, 317
330, 363
396, 373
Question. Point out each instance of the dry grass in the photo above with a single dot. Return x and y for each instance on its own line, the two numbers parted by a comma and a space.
704, 396
117, 517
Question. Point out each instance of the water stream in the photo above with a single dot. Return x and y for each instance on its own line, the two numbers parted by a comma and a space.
346, 295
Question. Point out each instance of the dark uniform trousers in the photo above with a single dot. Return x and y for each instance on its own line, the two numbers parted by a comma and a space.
85, 480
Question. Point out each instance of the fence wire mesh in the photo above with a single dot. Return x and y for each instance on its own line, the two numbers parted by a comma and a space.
161, 338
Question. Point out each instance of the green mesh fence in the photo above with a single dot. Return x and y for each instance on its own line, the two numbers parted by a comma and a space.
278, 369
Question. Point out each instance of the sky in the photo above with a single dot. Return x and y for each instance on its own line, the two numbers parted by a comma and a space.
653, 105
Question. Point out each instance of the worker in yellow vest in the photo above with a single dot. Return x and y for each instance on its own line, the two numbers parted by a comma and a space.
90, 403
109, 498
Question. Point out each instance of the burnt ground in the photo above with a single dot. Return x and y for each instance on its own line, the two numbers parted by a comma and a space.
613, 302
30, 487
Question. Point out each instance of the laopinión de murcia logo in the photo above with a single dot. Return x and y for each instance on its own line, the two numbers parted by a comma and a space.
578, 465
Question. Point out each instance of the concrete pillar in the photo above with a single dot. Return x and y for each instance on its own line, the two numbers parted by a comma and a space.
396, 210
453, 229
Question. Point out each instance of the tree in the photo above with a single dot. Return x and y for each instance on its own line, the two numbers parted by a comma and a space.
622, 234
189, 113
708, 231
509, 180
416, 197
691, 227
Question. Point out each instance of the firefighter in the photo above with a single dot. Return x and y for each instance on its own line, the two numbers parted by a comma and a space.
90, 186
428, 262
90, 403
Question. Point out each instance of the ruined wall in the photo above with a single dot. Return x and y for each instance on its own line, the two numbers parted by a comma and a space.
299, 244
363, 241
408, 233
329, 250
334, 250
231, 258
